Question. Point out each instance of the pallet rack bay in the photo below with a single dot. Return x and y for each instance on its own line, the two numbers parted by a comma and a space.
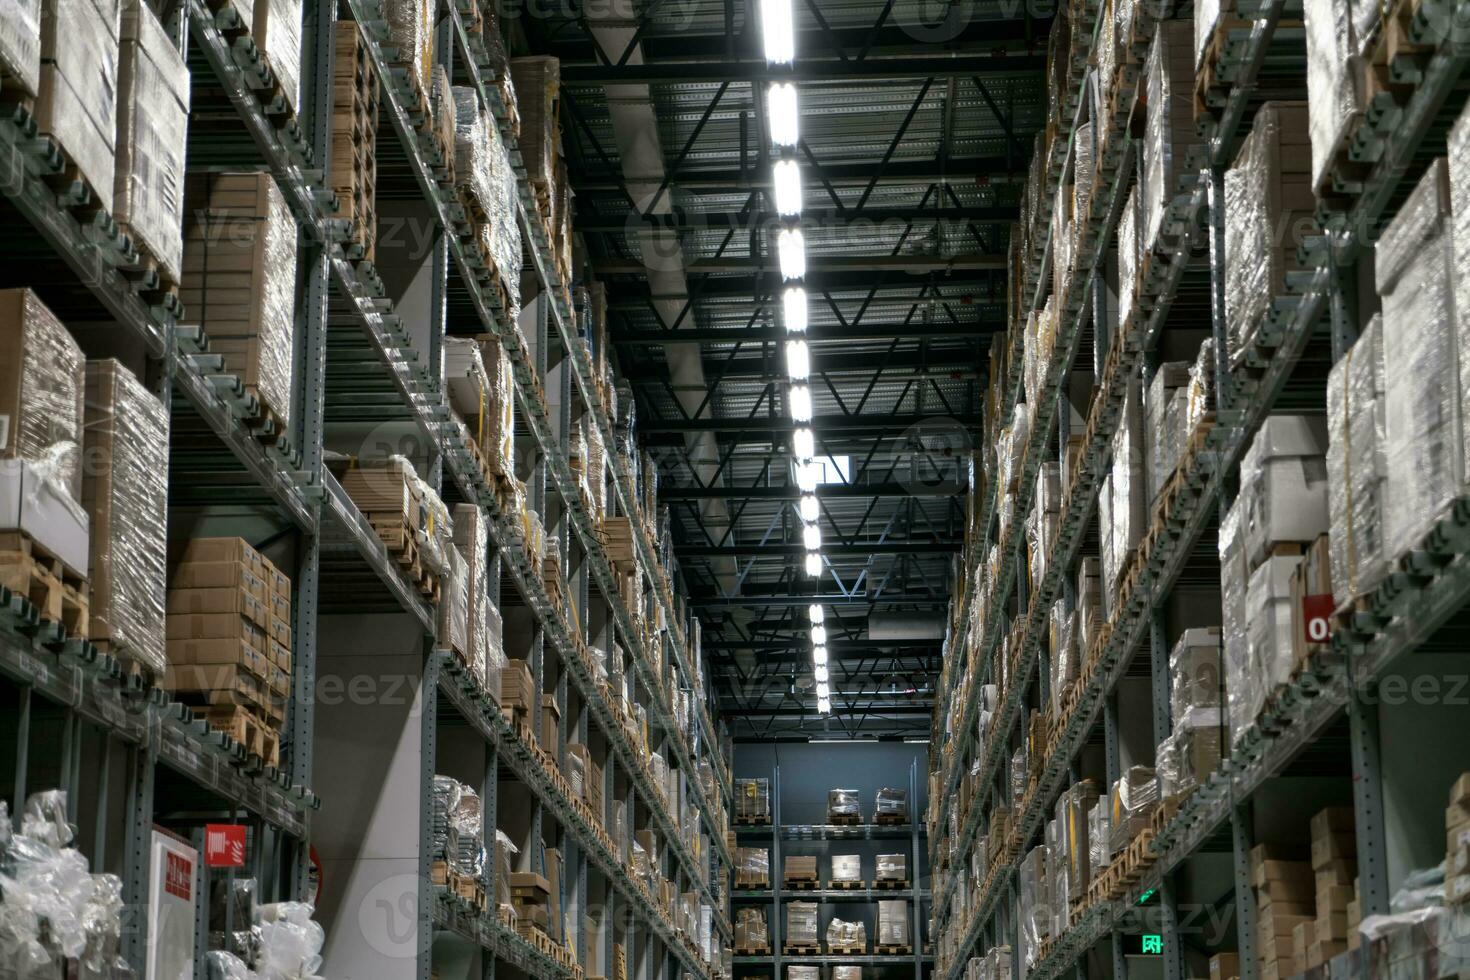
778, 835
367, 358
1330, 720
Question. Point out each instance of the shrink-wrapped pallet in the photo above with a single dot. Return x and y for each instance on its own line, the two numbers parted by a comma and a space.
468, 385
20, 43
1269, 211
76, 103
1283, 484
750, 928
842, 804
801, 923
1131, 804
1127, 513
1459, 178
239, 281
498, 429
1073, 853
1196, 678
841, 932
1128, 256
1035, 904
753, 800
803, 973
454, 606
891, 867
1414, 270
1169, 129
1268, 610
537, 83
1357, 466
277, 35
893, 922
1164, 411
42, 389
125, 491
1099, 835
846, 868
1336, 80
1243, 691
752, 867
1063, 664
1199, 400
152, 125
1192, 752
411, 38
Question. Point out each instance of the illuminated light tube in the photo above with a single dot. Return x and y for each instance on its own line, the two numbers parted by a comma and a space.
803, 444
778, 31
814, 612
819, 636
811, 536
798, 360
801, 403
819, 655
823, 691
793, 309
783, 113
814, 563
786, 176
807, 475
820, 673
824, 706
791, 253
810, 511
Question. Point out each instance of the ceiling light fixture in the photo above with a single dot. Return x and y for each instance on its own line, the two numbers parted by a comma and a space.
801, 403
823, 690
786, 176
814, 612
807, 476
811, 537
814, 563
798, 360
819, 636
820, 673
793, 308
777, 31
824, 706
783, 113
810, 511
819, 655
803, 443
791, 253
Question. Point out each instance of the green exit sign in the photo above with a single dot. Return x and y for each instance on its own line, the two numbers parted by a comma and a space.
1143, 944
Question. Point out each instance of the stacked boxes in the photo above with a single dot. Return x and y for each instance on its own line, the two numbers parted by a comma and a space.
1269, 211
152, 124
801, 921
486, 185
1357, 467
531, 895
1200, 738
239, 280
1334, 873
1131, 805
517, 690
752, 867
76, 103
229, 634
846, 868
891, 867
752, 801
1457, 843
277, 35
799, 867
125, 492
20, 44
893, 922
1284, 894
354, 137
750, 929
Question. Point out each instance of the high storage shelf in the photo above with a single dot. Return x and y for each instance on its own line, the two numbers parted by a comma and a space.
225, 462
1427, 587
776, 832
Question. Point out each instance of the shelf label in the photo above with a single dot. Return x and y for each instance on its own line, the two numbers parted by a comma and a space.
224, 845
1317, 617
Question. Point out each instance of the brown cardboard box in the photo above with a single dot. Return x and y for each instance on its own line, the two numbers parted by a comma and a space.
237, 601
220, 575
212, 550
516, 687
1338, 872
1323, 950
1224, 966
42, 383
1330, 926
217, 652
799, 867
530, 887
1336, 846
217, 626
1332, 820
1302, 938
550, 722
1293, 886
1460, 791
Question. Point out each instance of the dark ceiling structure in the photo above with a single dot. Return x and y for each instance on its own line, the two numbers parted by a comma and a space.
917, 121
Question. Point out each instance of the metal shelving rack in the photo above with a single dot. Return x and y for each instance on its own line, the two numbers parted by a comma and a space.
776, 832
343, 312
1428, 587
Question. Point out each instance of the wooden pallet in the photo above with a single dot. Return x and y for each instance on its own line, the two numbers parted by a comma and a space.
801, 884
801, 949
752, 950
890, 884
59, 595
847, 949
844, 885
890, 819
844, 819
748, 821
893, 949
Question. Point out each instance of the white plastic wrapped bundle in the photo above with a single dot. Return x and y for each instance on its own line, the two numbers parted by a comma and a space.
1164, 427
1131, 804
411, 36
43, 409
220, 965
499, 444
77, 95
840, 932
846, 867
1333, 79
1018, 774
1243, 691
1357, 465
277, 33
1413, 271
290, 942
1099, 836
471, 543
505, 230
466, 817
847, 973
20, 43
1035, 899
125, 491
472, 164
1169, 129
893, 922
1064, 660
1187, 757
152, 122
843, 803
801, 922
454, 606
1200, 399
1283, 479
1268, 610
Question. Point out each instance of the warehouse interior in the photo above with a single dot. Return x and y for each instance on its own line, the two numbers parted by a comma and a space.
714, 490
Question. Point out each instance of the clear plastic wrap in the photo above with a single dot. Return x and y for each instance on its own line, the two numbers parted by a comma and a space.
1243, 691
1187, 757
467, 384
77, 95
1196, 679
1018, 774
1035, 900
1128, 511
153, 86
1082, 146
1073, 843
801, 923
444, 798
1283, 481
1414, 269
41, 402
125, 491
1164, 424
1357, 466
843, 804
750, 928
1169, 128
1458, 150
277, 33
1131, 804
505, 851
893, 922
847, 934
892, 867
220, 965
752, 867
1268, 610
290, 942
1064, 660
411, 36
468, 856
1206, 18
1128, 256
239, 281
846, 867
1099, 836
499, 429
454, 606
1200, 400
471, 540
1334, 79
537, 83
847, 973
892, 803
803, 973
20, 43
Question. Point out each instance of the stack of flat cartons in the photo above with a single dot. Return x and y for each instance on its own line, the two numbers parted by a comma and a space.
1457, 842
538, 96
1334, 870
76, 105
517, 690
398, 505
354, 137
229, 640
799, 868
1225, 966
239, 281
617, 541
531, 895
1284, 895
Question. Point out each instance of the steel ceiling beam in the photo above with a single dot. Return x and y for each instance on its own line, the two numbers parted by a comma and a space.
921, 704
960, 171
828, 491
787, 598
687, 219
822, 424
816, 265
951, 362
807, 69
831, 549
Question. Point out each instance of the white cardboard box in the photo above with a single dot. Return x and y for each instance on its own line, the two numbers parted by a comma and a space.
1284, 484
45, 511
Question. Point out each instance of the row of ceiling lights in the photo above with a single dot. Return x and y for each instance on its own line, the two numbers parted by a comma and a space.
783, 114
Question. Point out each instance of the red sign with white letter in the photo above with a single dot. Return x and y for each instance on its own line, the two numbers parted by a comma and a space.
1317, 617
224, 845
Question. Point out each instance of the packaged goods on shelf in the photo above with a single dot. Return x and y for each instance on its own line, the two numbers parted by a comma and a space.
1082, 176
1244, 690
1089, 603
892, 804
20, 44
1064, 660
445, 115
847, 973
1269, 211
1169, 129
1225, 966
1188, 756
892, 867
152, 121
276, 32
750, 928
531, 895
239, 280
1284, 892
1268, 610
1099, 835
1072, 857
486, 181
842, 804
893, 922
1336, 79
1357, 466
1165, 406
1129, 254
454, 607
1126, 515
1457, 843
1019, 776
1041, 523
1413, 272
799, 867
1035, 900
1131, 804
53, 905
803, 973
752, 867
846, 867
517, 689
1311, 590
1195, 677
1283, 479
76, 104
1334, 858
846, 934
125, 492
411, 36
538, 95
801, 923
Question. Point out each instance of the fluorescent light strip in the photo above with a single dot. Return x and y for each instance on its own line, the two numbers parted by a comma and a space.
783, 113
800, 397
786, 176
791, 253
778, 31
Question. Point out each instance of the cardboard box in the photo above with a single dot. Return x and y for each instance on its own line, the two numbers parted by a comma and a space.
218, 626
1224, 966
209, 550
42, 386
219, 575
39, 509
550, 722
516, 687
1334, 847
1337, 872
77, 101
226, 600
